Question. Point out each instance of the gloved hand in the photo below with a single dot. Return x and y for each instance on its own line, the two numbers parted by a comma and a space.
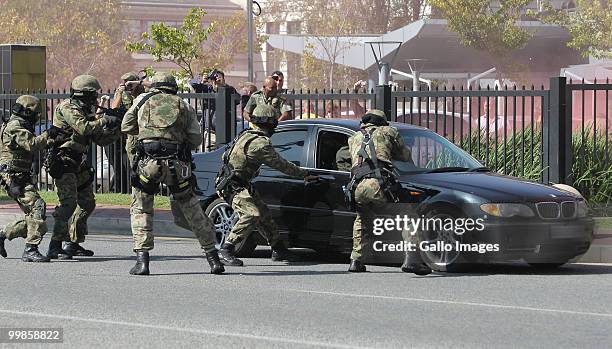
311, 178
53, 132
111, 121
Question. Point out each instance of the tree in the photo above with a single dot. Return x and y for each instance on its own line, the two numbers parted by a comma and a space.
194, 47
590, 25
86, 39
181, 46
487, 25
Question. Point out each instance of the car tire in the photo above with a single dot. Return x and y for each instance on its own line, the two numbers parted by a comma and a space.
223, 218
453, 261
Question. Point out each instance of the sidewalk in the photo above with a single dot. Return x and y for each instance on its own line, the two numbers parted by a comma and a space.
108, 219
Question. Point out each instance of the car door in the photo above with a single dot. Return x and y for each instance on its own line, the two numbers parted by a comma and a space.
329, 220
284, 194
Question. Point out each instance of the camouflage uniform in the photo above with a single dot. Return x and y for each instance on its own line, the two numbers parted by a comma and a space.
18, 144
127, 100
369, 195
72, 173
17, 147
74, 189
167, 130
278, 104
252, 149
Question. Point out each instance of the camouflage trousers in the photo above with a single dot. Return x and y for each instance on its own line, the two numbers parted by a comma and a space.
76, 203
372, 203
142, 212
32, 227
253, 214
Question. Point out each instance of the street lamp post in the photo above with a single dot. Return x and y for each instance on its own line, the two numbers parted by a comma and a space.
250, 30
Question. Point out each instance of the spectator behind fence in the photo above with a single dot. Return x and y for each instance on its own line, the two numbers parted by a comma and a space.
354, 110
309, 111
248, 88
268, 95
216, 80
278, 76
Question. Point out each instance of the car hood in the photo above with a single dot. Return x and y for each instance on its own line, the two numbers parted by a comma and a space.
490, 186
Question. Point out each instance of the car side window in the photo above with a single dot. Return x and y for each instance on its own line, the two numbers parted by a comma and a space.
332, 151
290, 144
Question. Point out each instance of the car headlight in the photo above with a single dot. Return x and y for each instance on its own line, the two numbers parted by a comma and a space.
507, 210
582, 209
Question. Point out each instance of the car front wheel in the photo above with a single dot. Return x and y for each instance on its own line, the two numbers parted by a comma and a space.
224, 219
444, 260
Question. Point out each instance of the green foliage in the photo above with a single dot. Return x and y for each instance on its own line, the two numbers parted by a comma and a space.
82, 37
592, 165
590, 26
181, 46
487, 25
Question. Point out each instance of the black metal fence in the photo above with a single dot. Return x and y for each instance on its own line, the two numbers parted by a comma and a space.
110, 163
548, 135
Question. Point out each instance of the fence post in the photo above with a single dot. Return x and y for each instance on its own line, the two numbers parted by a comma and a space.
223, 117
557, 127
383, 100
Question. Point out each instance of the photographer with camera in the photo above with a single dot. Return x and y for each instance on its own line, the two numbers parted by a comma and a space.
215, 79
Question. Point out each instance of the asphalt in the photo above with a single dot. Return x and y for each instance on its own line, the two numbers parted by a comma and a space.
313, 304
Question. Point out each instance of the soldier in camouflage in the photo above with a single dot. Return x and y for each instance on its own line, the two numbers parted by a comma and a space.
241, 164
371, 178
167, 131
73, 175
268, 96
18, 144
124, 98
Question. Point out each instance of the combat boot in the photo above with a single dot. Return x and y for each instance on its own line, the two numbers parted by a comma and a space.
215, 264
56, 252
2, 239
75, 249
226, 253
142, 263
413, 263
280, 253
31, 254
356, 266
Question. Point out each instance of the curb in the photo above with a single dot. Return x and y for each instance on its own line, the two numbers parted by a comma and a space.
113, 226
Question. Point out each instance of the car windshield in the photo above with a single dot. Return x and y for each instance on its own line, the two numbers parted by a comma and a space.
433, 153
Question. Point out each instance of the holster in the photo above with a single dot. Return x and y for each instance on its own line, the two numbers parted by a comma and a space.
60, 161
17, 184
228, 184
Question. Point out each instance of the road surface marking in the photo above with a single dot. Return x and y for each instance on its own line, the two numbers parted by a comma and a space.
486, 305
182, 329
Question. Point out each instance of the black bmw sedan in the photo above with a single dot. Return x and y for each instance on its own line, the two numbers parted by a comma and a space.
511, 219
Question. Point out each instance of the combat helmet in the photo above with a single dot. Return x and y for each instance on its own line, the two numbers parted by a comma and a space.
28, 107
164, 81
85, 88
376, 117
264, 116
130, 76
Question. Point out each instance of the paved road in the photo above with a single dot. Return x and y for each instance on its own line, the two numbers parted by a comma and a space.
312, 304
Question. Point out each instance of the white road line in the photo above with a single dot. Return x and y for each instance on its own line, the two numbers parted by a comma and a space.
486, 305
186, 330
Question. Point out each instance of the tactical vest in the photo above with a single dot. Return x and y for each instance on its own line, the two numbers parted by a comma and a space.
160, 118
17, 159
232, 175
368, 165
77, 144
